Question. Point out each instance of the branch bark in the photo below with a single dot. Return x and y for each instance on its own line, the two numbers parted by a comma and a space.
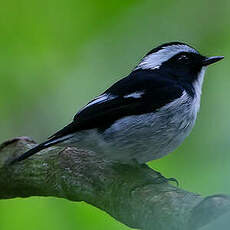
137, 196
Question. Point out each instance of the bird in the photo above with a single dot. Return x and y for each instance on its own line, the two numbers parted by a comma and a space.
145, 115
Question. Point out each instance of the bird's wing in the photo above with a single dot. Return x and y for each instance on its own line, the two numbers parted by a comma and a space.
132, 95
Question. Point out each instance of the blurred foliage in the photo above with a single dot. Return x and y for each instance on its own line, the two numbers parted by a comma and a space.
57, 55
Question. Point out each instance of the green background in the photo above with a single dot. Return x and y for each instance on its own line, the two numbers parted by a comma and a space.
57, 55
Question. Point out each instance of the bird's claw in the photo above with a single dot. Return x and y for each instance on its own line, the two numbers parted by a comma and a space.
171, 179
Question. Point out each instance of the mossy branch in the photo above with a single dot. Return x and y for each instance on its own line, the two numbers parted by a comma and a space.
137, 196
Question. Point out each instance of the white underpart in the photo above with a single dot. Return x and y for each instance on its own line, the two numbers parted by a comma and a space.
147, 136
196, 100
198, 88
134, 95
154, 60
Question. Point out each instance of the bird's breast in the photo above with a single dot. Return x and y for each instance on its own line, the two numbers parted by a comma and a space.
153, 135
144, 137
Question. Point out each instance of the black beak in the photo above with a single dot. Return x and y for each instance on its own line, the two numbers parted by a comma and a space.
211, 60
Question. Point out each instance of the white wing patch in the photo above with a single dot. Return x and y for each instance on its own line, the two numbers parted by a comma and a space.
154, 60
98, 100
134, 95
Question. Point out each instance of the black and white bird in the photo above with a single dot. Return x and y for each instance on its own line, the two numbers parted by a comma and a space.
145, 115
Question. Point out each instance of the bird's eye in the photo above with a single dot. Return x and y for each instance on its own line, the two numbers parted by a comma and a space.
182, 57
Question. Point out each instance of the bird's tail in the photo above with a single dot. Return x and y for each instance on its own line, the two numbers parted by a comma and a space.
38, 148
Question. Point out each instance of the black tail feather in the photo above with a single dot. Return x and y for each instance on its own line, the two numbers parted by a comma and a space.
30, 153
38, 148
56, 138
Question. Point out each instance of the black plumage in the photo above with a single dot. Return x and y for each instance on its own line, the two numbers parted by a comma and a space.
145, 90
157, 92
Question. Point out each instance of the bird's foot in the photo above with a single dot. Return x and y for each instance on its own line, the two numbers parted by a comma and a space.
171, 179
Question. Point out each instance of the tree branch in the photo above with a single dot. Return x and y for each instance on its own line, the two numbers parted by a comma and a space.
137, 196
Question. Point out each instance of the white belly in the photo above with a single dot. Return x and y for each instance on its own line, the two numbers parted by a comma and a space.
148, 137
143, 137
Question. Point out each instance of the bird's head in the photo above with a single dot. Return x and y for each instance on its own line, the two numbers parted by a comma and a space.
178, 60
